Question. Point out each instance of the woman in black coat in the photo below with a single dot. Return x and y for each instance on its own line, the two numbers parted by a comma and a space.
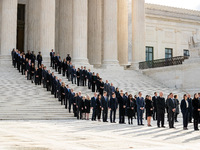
196, 111
149, 110
130, 109
98, 104
87, 107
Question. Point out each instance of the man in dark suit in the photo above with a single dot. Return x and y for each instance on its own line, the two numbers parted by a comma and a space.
190, 110
184, 109
154, 99
140, 108
78, 106
104, 103
101, 86
107, 87
68, 58
73, 75
84, 76
122, 107
67, 95
113, 107
112, 89
39, 59
89, 78
94, 106
171, 104
160, 103
51, 57
71, 99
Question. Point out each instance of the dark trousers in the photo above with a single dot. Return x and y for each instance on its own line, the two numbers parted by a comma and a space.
130, 119
190, 115
78, 81
112, 115
89, 84
70, 104
51, 64
121, 116
105, 114
160, 118
139, 116
79, 113
94, 114
185, 119
39, 63
62, 99
176, 116
155, 115
66, 102
75, 110
196, 122
171, 119
73, 79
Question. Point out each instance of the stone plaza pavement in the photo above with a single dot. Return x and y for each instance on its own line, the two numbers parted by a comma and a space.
88, 135
32, 119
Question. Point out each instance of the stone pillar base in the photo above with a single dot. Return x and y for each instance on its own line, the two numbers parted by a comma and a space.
5, 59
134, 66
110, 64
81, 62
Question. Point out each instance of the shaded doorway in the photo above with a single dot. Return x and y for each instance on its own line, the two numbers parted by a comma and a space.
20, 27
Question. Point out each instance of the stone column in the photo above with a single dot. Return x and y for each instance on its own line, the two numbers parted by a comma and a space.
123, 32
110, 57
80, 31
41, 24
57, 26
179, 50
8, 28
159, 50
47, 22
65, 28
95, 28
138, 19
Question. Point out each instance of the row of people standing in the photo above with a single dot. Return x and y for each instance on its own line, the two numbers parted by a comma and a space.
126, 103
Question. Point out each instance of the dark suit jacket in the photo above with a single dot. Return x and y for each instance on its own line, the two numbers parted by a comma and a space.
104, 103
93, 102
140, 103
184, 107
160, 103
113, 103
171, 105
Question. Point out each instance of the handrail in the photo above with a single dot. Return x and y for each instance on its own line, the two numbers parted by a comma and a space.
162, 62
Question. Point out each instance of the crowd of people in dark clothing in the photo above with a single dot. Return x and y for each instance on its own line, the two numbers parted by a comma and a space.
106, 96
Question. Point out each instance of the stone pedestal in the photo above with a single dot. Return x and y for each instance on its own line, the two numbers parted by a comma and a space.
8, 27
80, 30
138, 23
110, 55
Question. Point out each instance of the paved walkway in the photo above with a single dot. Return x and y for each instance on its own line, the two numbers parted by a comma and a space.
31, 119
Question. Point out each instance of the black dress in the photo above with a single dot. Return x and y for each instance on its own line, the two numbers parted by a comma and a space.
149, 106
130, 108
87, 104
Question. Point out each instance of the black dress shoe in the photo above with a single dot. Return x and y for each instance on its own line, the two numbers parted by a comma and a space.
142, 124
196, 129
158, 126
163, 126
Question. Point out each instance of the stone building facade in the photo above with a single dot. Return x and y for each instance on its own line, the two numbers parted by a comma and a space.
96, 32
